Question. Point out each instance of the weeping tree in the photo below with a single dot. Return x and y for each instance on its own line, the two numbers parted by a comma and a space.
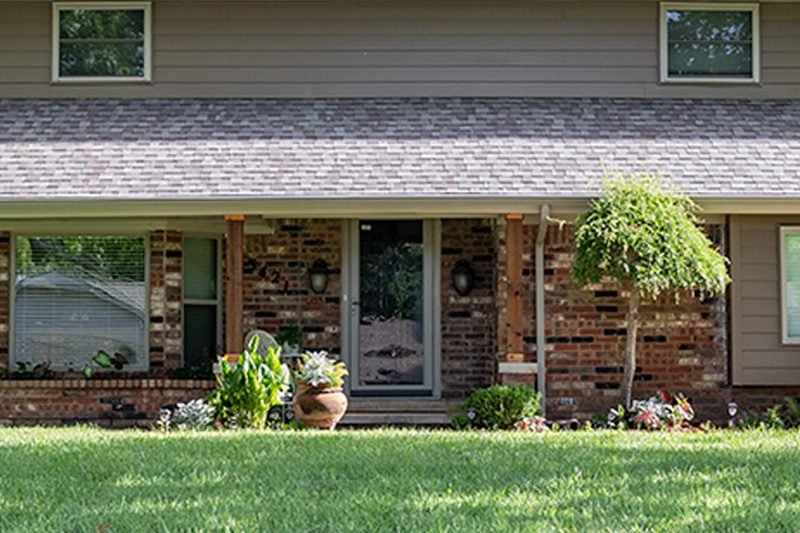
646, 236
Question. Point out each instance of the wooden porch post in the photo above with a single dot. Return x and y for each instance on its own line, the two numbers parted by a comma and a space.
514, 288
234, 279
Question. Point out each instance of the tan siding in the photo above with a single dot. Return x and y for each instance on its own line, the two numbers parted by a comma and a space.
396, 48
760, 357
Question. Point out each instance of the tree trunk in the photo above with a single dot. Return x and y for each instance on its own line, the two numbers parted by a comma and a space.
626, 388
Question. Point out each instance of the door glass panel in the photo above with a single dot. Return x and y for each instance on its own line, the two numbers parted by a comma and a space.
390, 332
199, 335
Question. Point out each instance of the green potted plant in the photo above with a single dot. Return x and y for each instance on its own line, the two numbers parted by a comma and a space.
320, 402
290, 339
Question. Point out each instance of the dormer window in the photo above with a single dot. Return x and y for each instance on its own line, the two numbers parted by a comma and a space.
709, 43
108, 41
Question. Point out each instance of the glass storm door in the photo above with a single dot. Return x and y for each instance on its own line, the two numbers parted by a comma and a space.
391, 308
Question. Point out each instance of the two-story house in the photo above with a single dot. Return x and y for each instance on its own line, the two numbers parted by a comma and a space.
173, 174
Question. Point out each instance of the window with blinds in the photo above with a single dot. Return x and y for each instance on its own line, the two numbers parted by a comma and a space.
790, 256
76, 295
200, 302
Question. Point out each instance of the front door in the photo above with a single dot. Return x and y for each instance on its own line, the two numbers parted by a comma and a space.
390, 305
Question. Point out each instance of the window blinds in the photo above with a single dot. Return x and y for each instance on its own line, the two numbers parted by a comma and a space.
74, 296
791, 258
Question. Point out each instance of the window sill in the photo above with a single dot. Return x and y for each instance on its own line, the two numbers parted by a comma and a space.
101, 81
711, 81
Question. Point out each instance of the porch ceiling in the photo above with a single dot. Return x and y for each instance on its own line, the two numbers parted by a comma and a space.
501, 149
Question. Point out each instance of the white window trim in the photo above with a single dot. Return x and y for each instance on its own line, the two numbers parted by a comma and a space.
97, 6
687, 6
218, 301
12, 263
785, 339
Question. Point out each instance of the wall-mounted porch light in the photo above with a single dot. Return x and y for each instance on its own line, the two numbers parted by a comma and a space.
318, 276
463, 277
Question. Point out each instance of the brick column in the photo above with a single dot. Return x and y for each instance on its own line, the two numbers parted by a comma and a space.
166, 279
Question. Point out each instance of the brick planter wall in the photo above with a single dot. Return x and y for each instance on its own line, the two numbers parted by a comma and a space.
109, 403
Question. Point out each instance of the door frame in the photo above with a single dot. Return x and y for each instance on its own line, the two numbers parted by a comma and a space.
431, 312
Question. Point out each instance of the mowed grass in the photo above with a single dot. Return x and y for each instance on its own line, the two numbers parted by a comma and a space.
392, 480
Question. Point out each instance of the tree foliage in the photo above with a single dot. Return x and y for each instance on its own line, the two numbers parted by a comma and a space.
120, 258
646, 236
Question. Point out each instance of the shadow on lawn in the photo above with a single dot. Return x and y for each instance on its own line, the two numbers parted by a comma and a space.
404, 480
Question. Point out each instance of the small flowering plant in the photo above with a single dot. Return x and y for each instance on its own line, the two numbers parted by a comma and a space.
536, 424
320, 371
663, 411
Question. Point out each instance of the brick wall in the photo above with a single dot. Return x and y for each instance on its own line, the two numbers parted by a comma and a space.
276, 286
468, 322
166, 280
109, 403
682, 347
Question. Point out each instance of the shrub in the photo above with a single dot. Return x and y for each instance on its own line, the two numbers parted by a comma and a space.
246, 390
771, 419
502, 406
196, 414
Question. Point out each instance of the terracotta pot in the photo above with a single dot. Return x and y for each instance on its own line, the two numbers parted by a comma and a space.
319, 407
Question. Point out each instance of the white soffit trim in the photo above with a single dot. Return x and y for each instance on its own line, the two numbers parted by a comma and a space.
565, 208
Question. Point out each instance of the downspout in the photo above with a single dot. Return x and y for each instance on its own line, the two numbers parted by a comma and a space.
544, 215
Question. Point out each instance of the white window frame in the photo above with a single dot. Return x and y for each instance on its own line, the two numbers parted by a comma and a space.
785, 339
687, 6
101, 6
12, 324
218, 301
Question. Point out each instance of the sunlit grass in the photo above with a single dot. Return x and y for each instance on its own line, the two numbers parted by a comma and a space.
81, 478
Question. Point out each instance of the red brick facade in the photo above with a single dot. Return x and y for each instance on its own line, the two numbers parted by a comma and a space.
682, 347
468, 323
276, 283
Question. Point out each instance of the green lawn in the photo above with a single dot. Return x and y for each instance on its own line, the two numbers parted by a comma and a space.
79, 479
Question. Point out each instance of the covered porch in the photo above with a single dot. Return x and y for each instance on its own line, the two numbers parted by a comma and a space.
422, 310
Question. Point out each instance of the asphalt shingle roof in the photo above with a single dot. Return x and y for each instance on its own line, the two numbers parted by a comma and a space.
199, 149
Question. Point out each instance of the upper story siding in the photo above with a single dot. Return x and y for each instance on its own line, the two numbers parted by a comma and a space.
397, 48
